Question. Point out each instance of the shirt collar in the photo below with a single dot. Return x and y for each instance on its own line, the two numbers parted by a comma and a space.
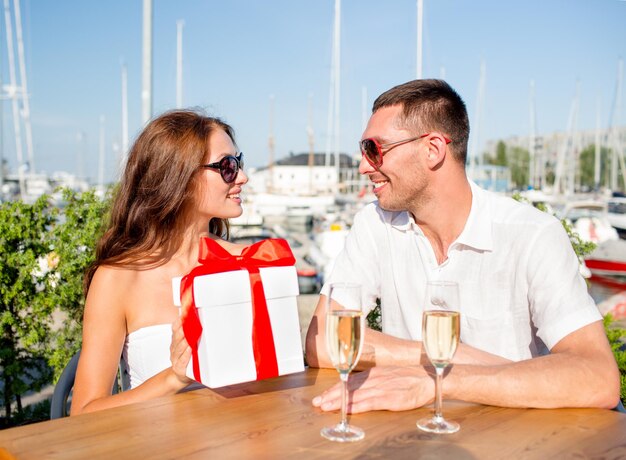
401, 220
477, 231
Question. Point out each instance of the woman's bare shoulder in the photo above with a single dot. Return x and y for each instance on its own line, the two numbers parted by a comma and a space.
108, 275
121, 285
105, 302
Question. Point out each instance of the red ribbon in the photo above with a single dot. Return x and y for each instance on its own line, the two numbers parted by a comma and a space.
215, 259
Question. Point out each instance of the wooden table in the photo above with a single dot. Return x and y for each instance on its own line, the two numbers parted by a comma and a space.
274, 419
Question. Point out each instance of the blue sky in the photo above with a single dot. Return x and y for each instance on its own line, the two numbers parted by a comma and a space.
237, 53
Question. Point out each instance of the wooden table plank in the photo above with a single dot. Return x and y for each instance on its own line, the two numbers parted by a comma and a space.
275, 419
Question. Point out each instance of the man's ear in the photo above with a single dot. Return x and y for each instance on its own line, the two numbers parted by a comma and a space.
437, 150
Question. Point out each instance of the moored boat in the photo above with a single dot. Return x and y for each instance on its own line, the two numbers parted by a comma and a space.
617, 214
589, 220
608, 259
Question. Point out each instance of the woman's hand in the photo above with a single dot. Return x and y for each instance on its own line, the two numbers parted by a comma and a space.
180, 352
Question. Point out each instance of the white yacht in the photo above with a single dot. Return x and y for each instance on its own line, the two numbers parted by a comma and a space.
590, 220
617, 214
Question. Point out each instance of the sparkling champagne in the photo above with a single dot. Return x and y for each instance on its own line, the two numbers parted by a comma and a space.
343, 337
440, 335
344, 332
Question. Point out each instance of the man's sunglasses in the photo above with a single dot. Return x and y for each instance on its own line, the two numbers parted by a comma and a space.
228, 166
372, 150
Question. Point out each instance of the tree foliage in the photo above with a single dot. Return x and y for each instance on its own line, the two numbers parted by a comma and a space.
44, 252
516, 159
519, 162
500, 159
75, 241
374, 318
587, 166
25, 308
616, 336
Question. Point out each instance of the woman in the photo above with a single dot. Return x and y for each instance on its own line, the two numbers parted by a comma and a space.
183, 179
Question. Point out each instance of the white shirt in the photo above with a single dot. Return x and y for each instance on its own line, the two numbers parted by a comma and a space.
518, 275
146, 352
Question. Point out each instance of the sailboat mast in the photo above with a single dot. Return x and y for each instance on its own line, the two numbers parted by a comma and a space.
271, 146
331, 106
124, 114
1, 132
2, 159
101, 156
420, 9
598, 153
337, 81
13, 90
561, 174
179, 63
80, 171
474, 155
146, 90
364, 108
28, 131
575, 146
617, 159
532, 163
311, 139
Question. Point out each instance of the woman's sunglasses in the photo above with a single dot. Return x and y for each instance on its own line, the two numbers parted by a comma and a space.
372, 150
228, 166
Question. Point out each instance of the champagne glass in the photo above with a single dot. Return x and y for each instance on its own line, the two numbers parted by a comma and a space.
344, 334
440, 338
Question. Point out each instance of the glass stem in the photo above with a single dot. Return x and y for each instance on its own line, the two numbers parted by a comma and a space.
344, 399
438, 395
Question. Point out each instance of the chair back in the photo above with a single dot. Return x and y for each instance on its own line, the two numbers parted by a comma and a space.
61, 398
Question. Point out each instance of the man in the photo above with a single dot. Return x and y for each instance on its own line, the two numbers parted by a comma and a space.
521, 291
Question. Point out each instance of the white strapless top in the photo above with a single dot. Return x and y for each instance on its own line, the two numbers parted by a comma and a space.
147, 352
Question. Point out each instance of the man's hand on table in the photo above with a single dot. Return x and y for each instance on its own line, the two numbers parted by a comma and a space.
382, 388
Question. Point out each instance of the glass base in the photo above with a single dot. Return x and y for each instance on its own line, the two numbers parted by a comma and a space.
437, 425
342, 433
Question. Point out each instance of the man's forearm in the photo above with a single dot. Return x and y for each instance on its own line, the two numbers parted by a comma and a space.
556, 380
580, 372
385, 350
378, 350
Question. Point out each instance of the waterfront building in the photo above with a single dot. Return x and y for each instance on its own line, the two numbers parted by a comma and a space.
308, 174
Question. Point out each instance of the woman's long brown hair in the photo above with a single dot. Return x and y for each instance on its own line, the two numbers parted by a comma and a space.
156, 193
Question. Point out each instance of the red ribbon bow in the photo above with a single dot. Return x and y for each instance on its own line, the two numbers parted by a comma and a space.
215, 259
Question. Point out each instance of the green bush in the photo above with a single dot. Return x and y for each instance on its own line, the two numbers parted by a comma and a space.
615, 335
44, 251
374, 318
25, 309
75, 241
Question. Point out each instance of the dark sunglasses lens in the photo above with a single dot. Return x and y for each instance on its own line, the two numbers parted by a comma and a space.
370, 150
229, 169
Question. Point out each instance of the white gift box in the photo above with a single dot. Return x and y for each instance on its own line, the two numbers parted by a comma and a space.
224, 303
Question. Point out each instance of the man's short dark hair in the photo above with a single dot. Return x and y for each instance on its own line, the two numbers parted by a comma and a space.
431, 105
